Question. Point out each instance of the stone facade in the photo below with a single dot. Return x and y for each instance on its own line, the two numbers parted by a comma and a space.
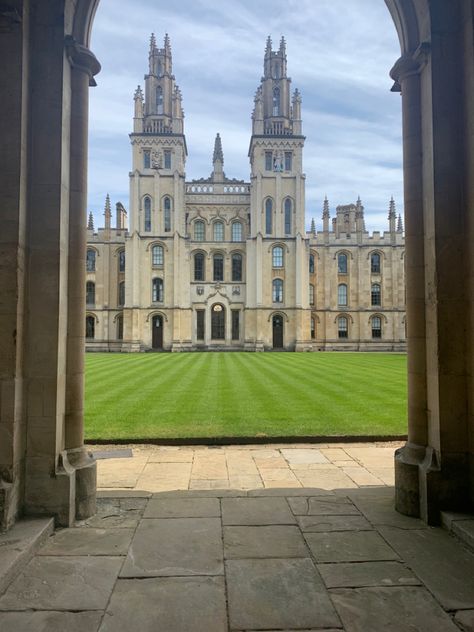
219, 263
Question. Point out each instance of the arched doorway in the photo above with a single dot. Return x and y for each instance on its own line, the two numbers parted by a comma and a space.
218, 322
277, 325
157, 332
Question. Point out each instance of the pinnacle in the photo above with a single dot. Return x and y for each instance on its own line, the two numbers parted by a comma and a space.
152, 42
218, 153
400, 224
326, 207
392, 214
108, 209
90, 223
167, 41
268, 47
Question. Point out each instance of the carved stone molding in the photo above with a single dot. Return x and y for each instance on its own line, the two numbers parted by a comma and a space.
82, 58
410, 64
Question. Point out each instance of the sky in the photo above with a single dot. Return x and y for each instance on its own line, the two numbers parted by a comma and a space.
339, 56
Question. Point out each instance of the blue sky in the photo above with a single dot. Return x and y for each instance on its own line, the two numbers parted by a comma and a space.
339, 56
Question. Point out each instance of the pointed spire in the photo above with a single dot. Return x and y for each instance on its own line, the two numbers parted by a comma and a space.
107, 211
283, 45
218, 153
138, 93
400, 223
325, 207
167, 43
90, 223
392, 213
313, 226
268, 48
152, 43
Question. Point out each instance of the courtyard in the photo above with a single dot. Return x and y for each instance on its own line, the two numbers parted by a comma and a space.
214, 395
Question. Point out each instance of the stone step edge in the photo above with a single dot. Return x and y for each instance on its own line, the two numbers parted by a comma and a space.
455, 524
19, 544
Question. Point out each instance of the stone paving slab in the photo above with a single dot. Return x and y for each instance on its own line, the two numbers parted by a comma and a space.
323, 506
123, 513
349, 546
277, 593
445, 567
256, 511
393, 609
260, 542
177, 546
63, 583
50, 621
175, 604
88, 542
315, 524
364, 574
378, 506
465, 618
183, 508
120, 472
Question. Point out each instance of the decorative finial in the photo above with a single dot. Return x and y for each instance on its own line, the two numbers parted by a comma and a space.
282, 45
313, 226
268, 48
218, 153
400, 224
90, 223
152, 43
108, 210
325, 207
138, 94
392, 213
167, 42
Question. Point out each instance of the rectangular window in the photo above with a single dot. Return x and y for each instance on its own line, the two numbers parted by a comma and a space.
200, 324
146, 158
268, 161
288, 160
311, 294
235, 324
218, 268
167, 155
122, 261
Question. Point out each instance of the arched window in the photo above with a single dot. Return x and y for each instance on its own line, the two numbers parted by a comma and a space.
276, 102
167, 213
120, 327
342, 294
90, 293
218, 322
199, 266
90, 260
121, 293
288, 208
236, 267
157, 290
342, 263
342, 327
311, 294
121, 258
90, 327
376, 327
218, 261
218, 231
147, 206
157, 256
268, 216
159, 100
199, 230
375, 263
277, 291
236, 231
277, 257
311, 264
313, 328
375, 294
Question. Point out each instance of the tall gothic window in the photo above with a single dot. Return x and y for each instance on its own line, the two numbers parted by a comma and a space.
157, 290
218, 322
218, 231
375, 263
236, 231
376, 294
146, 158
311, 294
167, 158
277, 257
159, 100
147, 205
288, 160
313, 328
90, 260
268, 216
90, 293
276, 102
157, 256
235, 324
288, 209
311, 264
121, 258
277, 291
268, 161
342, 294
342, 263
200, 324
120, 327
199, 266
167, 213
121, 293
90, 327
342, 327
236, 267
376, 327
218, 262
199, 230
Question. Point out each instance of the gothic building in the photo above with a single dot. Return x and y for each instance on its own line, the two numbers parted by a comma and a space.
219, 263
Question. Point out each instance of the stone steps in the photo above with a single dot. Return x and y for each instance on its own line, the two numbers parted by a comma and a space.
461, 525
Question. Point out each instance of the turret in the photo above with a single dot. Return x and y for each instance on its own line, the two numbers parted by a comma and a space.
121, 216
359, 217
138, 115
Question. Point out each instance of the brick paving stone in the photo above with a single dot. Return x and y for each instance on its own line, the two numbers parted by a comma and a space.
172, 604
277, 593
183, 508
256, 511
177, 546
260, 542
393, 609
349, 546
328, 505
442, 564
63, 583
315, 524
88, 542
50, 621
363, 574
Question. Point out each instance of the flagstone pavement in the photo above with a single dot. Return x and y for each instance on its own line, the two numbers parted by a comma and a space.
274, 538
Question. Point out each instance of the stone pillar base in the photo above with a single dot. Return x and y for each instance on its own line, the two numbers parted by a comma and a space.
86, 482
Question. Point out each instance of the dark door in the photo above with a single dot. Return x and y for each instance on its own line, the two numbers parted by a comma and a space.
278, 332
157, 332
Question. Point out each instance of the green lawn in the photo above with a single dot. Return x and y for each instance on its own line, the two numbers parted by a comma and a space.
168, 395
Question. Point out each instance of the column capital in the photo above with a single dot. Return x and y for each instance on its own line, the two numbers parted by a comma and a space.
410, 64
82, 58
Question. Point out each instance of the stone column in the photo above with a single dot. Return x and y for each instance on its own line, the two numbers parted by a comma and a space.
84, 66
